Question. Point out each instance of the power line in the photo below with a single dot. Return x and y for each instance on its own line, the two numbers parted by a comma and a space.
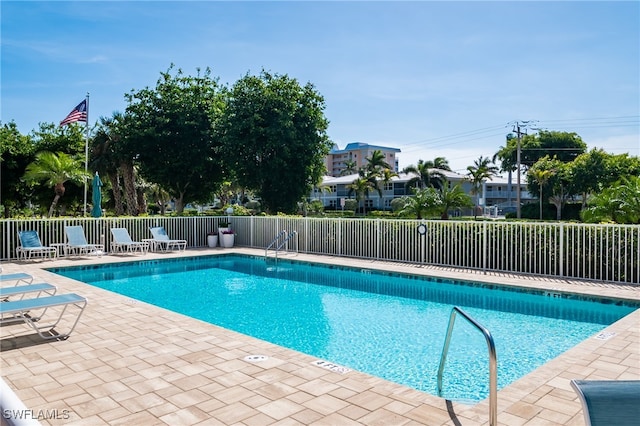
575, 123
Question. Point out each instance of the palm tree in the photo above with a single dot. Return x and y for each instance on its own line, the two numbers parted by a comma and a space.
619, 203
350, 167
104, 159
441, 163
481, 170
55, 170
452, 197
427, 173
423, 202
377, 162
159, 196
386, 176
542, 177
361, 186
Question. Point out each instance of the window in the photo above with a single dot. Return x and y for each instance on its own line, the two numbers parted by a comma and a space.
388, 186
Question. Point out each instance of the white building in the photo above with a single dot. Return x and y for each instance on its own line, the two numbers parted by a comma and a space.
497, 192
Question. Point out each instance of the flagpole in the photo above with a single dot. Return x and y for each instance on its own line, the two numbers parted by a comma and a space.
86, 156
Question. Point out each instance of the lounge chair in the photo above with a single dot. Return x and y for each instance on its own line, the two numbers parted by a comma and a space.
17, 277
30, 245
77, 243
122, 242
24, 290
162, 241
609, 402
22, 311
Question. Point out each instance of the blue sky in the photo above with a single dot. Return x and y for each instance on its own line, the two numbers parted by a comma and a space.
431, 78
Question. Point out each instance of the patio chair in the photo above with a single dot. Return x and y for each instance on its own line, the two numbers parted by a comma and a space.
122, 242
77, 243
609, 402
30, 245
162, 241
23, 311
17, 277
24, 290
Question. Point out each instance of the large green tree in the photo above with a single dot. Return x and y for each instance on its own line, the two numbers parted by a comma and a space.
16, 152
104, 156
274, 133
170, 131
565, 146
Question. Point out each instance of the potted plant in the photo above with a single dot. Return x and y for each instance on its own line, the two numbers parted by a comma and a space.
223, 225
227, 238
212, 239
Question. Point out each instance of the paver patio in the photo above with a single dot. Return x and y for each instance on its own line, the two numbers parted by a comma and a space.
129, 362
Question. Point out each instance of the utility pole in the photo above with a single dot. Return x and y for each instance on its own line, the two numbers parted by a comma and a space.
517, 128
519, 134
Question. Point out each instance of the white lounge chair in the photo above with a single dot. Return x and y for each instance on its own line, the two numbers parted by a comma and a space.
122, 242
162, 241
609, 402
77, 243
30, 245
23, 311
17, 277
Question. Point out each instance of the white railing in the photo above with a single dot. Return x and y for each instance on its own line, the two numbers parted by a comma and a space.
609, 253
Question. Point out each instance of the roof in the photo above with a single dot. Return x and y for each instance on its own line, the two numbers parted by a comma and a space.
354, 146
402, 177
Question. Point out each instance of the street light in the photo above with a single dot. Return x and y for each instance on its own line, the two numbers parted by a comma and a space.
229, 213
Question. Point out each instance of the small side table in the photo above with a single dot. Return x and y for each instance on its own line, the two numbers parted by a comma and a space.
58, 247
151, 242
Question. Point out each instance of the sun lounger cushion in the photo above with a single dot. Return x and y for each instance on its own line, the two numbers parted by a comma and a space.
17, 277
22, 311
22, 290
609, 402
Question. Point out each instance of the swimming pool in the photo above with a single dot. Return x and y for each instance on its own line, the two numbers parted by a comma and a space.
387, 325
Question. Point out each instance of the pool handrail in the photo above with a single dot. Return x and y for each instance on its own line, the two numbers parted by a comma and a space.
493, 369
285, 242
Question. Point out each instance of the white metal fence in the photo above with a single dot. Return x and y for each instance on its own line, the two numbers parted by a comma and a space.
609, 253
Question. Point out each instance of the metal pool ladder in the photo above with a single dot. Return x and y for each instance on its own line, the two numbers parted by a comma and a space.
493, 369
285, 236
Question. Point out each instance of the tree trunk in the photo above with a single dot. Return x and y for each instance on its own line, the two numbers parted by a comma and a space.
540, 202
117, 192
53, 205
128, 176
180, 203
142, 202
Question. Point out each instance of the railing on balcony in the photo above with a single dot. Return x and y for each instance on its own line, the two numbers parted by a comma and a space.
609, 253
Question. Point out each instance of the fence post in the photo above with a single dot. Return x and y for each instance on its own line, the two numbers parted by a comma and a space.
561, 256
484, 246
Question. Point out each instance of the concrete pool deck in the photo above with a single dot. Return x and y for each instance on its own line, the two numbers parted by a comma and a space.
129, 362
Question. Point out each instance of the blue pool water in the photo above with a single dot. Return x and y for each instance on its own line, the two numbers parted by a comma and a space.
386, 325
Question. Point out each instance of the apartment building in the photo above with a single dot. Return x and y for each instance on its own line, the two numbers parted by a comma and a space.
358, 152
498, 193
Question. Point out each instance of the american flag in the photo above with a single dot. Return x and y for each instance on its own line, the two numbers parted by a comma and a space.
79, 113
